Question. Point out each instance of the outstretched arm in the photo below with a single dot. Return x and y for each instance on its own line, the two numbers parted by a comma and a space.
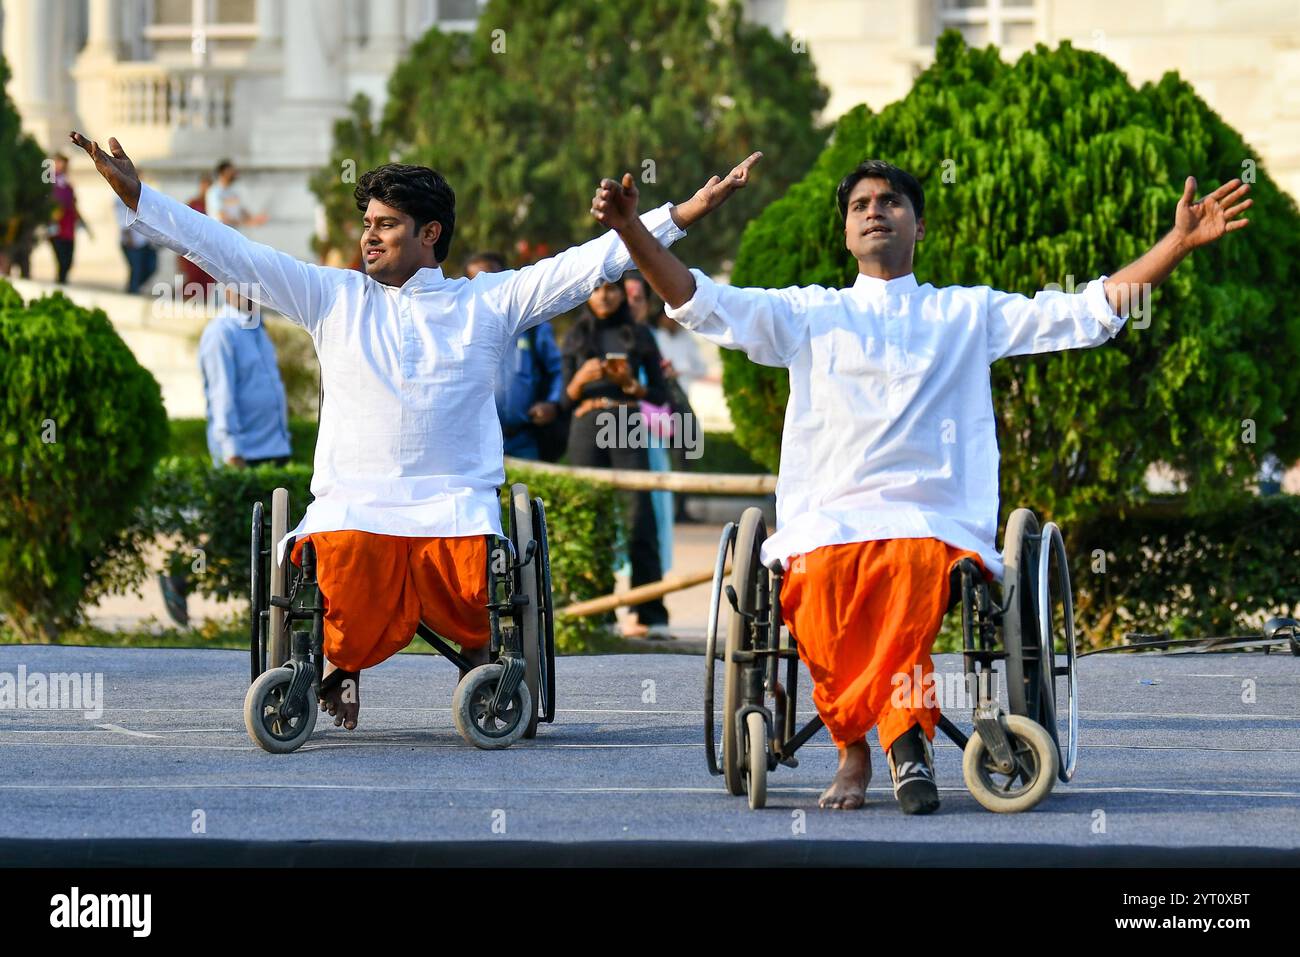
1055, 320
301, 291
528, 296
1195, 224
766, 324
615, 206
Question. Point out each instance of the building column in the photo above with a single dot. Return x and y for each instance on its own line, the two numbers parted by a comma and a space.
32, 51
268, 47
102, 31
312, 86
387, 34
313, 52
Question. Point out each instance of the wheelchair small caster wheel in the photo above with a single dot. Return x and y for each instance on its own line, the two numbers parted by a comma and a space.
266, 726
471, 707
756, 770
1037, 758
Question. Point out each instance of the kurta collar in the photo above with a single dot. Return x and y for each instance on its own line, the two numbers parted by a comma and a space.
882, 287
425, 278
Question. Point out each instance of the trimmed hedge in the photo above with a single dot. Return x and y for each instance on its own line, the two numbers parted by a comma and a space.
188, 439
1153, 569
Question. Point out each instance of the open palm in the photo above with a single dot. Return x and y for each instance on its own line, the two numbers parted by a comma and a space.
1207, 219
115, 166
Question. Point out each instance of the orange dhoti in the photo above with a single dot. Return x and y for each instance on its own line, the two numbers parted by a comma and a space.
378, 588
863, 613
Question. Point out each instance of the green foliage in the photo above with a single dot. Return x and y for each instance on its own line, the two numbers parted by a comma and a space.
81, 425
1060, 168
25, 199
669, 90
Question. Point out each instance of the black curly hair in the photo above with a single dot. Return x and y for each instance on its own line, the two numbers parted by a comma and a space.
900, 179
418, 191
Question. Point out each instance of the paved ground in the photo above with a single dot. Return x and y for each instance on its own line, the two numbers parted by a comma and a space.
1172, 758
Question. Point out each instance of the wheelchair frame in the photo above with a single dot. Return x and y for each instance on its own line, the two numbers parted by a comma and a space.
520, 615
756, 647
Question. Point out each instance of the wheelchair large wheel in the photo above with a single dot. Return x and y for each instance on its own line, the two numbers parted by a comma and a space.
745, 569
1053, 590
471, 709
268, 729
711, 647
1021, 789
1020, 625
529, 623
277, 632
257, 594
546, 707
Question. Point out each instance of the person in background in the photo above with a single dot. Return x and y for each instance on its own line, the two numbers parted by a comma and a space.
683, 367
248, 417
195, 282
63, 230
141, 257
606, 353
638, 296
223, 202
530, 382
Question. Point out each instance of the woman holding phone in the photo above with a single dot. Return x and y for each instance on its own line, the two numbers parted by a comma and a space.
610, 361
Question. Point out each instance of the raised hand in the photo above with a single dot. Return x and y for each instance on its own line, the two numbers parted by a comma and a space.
1207, 219
614, 204
116, 167
719, 189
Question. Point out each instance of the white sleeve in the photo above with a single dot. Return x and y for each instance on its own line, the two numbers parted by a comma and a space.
529, 296
1050, 322
768, 325
301, 291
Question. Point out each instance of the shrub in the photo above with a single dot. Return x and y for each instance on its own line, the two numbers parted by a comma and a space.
82, 424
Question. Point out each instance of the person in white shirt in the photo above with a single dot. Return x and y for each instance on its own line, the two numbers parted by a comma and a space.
408, 454
223, 202
889, 460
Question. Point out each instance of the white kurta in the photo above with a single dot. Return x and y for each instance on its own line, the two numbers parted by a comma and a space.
889, 431
409, 441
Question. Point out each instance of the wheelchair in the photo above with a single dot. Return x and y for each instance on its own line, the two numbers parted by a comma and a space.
494, 705
1013, 756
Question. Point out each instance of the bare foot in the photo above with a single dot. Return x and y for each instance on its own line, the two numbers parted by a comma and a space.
849, 789
340, 696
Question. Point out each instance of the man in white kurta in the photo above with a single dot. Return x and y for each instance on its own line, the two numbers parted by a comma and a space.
889, 457
409, 450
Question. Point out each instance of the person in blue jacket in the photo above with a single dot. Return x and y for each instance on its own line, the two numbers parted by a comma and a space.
530, 383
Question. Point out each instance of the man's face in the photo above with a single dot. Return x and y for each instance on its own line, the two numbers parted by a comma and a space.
391, 249
229, 175
60, 166
880, 224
